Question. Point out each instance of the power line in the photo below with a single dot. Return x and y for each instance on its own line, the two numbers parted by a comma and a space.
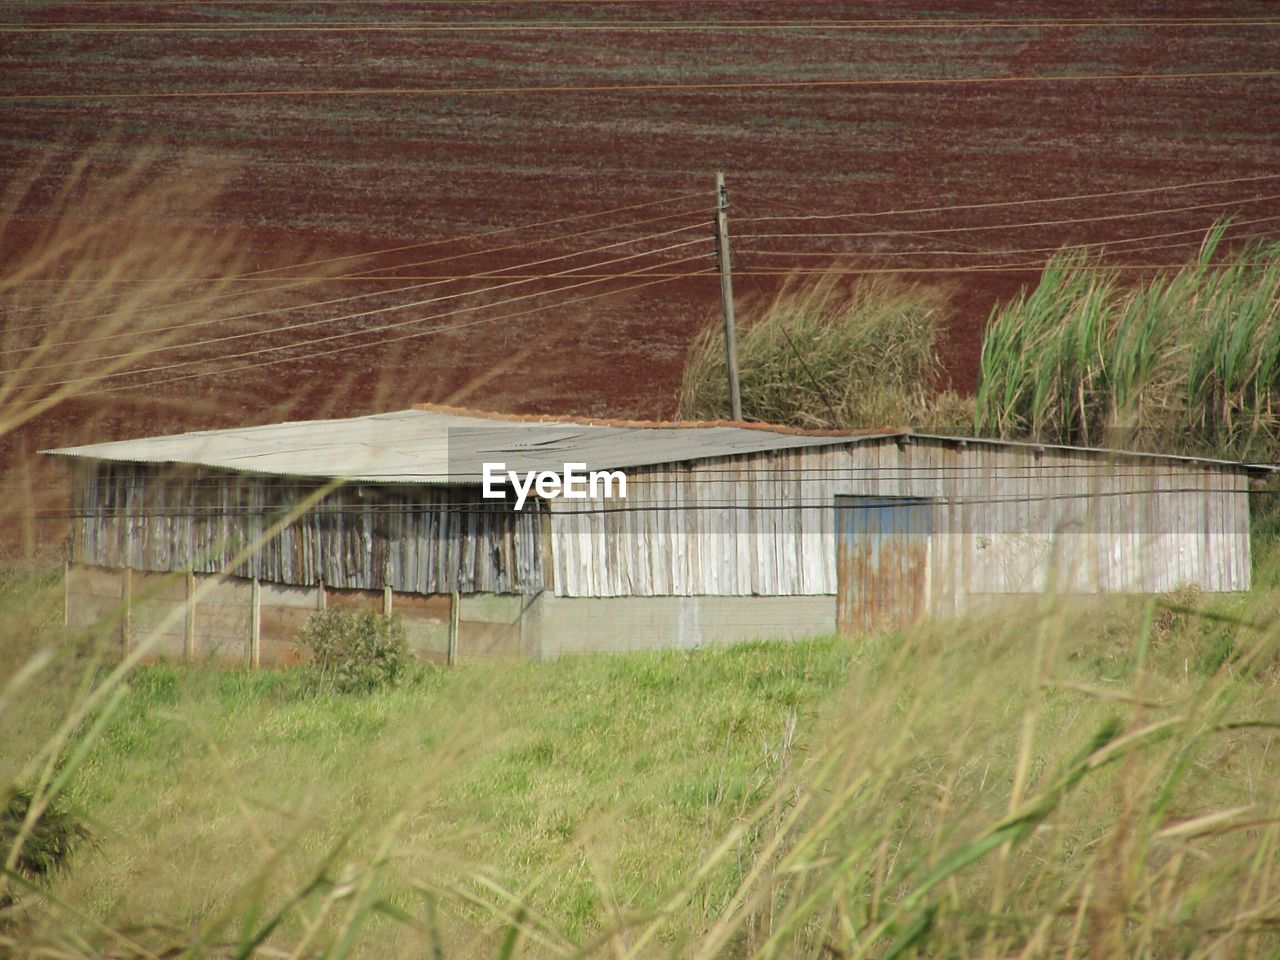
885, 22
1100, 246
356, 4
346, 299
596, 26
361, 346
505, 272
637, 87
756, 504
1023, 267
1030, 201
1033, 473
846, 215
497, 273
1028, 266
94, 378
841, 255
491, 233
412, 246
1027, 223
373, 273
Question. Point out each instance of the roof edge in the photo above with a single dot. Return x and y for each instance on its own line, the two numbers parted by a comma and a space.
1111, 451
657, 424
882, 432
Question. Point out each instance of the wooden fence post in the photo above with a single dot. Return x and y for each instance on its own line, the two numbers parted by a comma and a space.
126, 617
386, 601
455, 601
189, 647
255, 625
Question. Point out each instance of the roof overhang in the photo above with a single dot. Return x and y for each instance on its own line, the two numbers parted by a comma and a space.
445, 445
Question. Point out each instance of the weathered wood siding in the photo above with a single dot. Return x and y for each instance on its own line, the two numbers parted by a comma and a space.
1006, 520
419, 539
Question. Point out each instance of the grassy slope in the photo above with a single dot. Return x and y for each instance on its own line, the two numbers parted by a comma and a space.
646, 760
595, 785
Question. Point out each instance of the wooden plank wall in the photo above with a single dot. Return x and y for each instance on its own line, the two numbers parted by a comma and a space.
1007, 520
420, 539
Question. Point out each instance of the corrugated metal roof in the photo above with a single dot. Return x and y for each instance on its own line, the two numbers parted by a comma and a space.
429, 446
425, 445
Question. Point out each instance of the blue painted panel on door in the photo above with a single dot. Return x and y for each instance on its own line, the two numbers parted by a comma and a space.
882, 555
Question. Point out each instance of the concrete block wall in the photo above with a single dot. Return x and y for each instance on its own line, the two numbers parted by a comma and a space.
283, 611
241, 622
222, 620
237, 621
555, 626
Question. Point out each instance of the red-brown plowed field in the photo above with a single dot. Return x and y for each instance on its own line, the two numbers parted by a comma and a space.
396, 132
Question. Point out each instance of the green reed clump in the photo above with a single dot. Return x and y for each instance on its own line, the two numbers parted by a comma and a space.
1186, 362
830, 353
39, 844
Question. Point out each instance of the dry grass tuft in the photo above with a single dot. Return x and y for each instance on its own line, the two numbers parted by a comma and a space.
831, 353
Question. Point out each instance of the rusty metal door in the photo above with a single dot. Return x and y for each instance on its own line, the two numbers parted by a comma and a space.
882, 561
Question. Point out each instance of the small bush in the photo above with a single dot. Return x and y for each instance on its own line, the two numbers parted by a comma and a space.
46, 849
354, 653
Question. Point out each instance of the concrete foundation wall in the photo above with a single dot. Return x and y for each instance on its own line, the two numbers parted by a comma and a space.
235, 621
564, 625
241, 622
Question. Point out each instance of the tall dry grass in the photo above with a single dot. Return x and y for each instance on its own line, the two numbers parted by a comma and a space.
1066, 780
1188, 362
830, 352
98, 279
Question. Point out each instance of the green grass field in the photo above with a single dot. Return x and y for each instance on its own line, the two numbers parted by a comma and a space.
1081, 779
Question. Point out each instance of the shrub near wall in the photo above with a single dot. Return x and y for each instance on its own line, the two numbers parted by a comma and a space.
354, 653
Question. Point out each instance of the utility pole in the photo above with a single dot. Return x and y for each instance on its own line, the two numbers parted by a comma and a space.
726, 297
